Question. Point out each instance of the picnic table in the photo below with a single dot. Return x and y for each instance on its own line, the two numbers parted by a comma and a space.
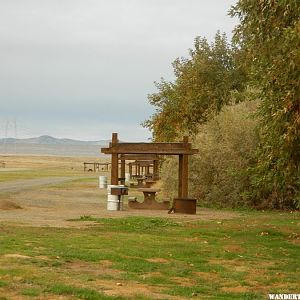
149, 194
140, 181
95, 166
149, 201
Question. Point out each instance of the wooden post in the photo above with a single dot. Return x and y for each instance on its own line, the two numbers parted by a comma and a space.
138, 169
114, 162
185, 170
155, 169
123, 171
180, 163
130, 170
183, 179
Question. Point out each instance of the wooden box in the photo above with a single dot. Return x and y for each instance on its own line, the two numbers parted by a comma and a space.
185, 205
119, 191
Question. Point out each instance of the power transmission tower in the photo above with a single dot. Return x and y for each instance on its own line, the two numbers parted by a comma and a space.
15, 129
11, 131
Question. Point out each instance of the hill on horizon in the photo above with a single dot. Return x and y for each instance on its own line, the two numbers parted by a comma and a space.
49, 140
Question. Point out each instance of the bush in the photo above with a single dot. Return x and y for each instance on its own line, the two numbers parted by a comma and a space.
218, 174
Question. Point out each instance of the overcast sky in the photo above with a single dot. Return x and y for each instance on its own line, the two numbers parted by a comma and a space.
83, 68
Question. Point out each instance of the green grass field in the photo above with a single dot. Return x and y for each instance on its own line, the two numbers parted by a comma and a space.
34, 167
153, 258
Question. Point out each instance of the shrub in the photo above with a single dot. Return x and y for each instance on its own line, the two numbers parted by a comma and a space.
218, 174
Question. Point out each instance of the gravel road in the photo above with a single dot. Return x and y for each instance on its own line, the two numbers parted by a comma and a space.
19, 185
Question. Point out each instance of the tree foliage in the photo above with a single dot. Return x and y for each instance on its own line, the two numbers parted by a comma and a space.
269, 37
261, 64
203, 84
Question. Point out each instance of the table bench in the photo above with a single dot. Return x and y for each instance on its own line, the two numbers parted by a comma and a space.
149, 183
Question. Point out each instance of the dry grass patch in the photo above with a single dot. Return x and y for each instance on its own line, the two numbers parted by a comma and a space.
234, 249
158, 260
15, 255
207, 276
131, 290
96, 269
235, 289
189, 282
8, 205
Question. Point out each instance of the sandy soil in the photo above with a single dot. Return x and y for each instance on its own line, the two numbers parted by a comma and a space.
52, 206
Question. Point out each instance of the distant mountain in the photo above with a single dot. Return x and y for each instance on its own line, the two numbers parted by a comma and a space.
49, 140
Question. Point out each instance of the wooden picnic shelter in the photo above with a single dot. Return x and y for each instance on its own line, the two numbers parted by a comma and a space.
141, 168
142, 164
182, 150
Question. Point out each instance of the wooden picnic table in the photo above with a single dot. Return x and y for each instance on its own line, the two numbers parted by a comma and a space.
149, 200
95, 166
149, 194
140, 181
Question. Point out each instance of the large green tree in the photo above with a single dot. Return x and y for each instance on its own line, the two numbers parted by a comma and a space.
269, 37
203, 84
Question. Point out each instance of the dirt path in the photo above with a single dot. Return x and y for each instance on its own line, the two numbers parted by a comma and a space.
19, 185
51, 206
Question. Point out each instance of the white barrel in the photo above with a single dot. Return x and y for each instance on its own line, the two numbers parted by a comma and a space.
127, 177
102, 182
112, 197
113, 202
